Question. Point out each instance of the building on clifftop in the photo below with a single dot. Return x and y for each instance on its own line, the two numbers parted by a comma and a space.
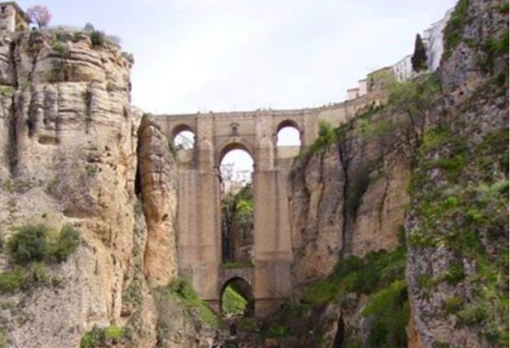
12, 18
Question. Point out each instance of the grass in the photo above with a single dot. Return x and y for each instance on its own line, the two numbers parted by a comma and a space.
249, 325
455, 27
277, 331
463, 206
328, 135
100, 337
181, 291
233, 302
380, 278
389, 311
10, 282
358, 275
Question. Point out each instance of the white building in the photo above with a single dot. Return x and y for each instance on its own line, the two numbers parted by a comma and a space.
433, 40
234, 179
352, 93
403, 69
12, 18
363, 87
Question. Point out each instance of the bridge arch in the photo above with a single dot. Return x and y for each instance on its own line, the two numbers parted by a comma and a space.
238, 144
288, 123
183, 136
239, 290
289, 133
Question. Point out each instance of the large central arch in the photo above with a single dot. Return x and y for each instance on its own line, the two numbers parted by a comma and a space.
199, 211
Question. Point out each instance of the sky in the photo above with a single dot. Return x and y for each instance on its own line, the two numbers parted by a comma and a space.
226, 55
232, 55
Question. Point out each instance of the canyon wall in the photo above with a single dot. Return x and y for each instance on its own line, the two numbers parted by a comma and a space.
75, 153
426, 178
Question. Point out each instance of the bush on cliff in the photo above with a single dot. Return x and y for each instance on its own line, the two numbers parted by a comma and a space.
38, 242
100, 337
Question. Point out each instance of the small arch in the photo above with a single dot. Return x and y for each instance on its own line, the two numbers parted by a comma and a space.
288, 133
237, 145
183, 137
288, 123
236, 298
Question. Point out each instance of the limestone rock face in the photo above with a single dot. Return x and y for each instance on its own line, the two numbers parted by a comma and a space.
316, 215
475, 85
159, 192
70, 156
335, 212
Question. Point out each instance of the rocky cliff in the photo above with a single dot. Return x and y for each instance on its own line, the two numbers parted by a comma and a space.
429, 171
74, 153
399, 217
457, 225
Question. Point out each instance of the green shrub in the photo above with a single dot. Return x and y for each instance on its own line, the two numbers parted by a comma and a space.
453, 304
327, 136
29, 243
360, 276
61, 48
279, 331
99, 337
113, 333
181, 290
389, 310
455, 27
454, 275
376, 130
38, 242
93, 338
91, 169
67, 242
473, 313
97, 38
10, 282
249, 325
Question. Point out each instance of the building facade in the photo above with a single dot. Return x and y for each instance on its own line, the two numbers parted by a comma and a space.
433, 40
12, 18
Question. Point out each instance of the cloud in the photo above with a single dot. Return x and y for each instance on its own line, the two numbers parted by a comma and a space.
225, 54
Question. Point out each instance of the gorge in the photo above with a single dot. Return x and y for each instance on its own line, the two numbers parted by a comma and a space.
388, 227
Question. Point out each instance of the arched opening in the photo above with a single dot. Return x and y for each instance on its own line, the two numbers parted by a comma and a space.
288, 134
237, 299
237, 207
183, 138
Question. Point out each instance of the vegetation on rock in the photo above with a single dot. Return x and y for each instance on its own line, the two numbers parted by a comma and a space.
101, 337
30, 248
38, 242
180, 297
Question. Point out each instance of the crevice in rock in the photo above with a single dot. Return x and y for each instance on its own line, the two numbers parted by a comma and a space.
87, 99
12, 50
338, 342
15, 129
345, 145
32, 117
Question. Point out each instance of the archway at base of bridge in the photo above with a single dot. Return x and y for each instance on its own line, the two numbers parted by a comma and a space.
237, 299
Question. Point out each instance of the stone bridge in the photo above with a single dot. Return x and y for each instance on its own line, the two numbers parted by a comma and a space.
199, 211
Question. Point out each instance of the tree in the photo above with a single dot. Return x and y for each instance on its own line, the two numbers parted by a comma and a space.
419, 59
89, 27
40, 15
